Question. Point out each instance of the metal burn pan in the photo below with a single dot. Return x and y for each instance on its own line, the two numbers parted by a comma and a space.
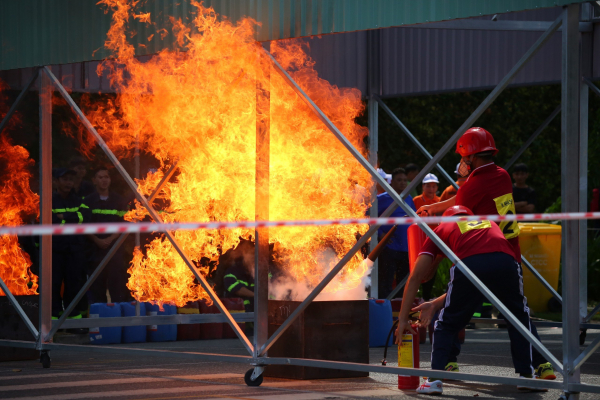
12, 327
326, 330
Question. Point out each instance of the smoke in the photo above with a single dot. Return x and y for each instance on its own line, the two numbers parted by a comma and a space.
284, 287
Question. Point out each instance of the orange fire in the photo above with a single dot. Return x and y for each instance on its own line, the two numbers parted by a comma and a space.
16, 200
199, 107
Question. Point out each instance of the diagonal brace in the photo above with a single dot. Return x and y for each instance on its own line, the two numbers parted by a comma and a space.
13, 108
487, 102
413, 139
587, 353
428, 231
90, 128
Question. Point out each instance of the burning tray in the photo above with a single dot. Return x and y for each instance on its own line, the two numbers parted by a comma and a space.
326, 330
12, 327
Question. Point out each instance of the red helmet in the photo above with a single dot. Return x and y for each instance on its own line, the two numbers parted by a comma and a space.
457, 210
475, 140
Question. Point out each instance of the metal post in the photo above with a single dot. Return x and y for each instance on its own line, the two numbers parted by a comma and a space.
570, 193
374, 89
45, 272
397, 288
90, 128
398, 199
261, 252
416, 142
532, 138
586, 70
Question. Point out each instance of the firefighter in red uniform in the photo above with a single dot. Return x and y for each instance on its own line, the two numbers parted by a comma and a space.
488, 190
483, 249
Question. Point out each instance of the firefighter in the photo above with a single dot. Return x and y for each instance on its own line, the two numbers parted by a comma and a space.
104, 205
68, 257
239, 282
483, 248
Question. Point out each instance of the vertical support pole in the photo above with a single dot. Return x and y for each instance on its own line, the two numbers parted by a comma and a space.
374, 88
570, 192
45, 278
586, 71
262, 256
136, 172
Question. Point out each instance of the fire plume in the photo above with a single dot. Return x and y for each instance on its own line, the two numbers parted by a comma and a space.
16, 200
199, 107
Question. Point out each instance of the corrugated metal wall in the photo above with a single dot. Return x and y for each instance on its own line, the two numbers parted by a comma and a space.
414, 60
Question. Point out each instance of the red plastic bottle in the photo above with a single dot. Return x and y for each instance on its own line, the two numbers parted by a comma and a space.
408, 357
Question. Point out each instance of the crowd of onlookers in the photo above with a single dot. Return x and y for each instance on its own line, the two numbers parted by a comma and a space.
393, 260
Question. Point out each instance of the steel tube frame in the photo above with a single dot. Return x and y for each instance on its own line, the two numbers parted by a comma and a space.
428, 231
90, 128
414, 140
567, 385
592, 313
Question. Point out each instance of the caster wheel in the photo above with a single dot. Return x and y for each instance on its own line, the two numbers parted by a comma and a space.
582, 335
248, 378
45, 359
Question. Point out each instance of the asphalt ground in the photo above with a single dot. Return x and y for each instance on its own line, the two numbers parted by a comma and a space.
83, 375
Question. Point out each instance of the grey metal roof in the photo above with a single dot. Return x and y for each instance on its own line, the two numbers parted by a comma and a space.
415, 60
34, 32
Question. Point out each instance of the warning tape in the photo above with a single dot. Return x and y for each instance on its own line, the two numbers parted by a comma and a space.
144, 227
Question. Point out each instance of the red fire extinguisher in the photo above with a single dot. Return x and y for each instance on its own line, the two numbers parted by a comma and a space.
408, 357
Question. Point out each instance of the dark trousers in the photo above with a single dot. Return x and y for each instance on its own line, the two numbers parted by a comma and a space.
113, 277
68, 266
502, 275
391, 264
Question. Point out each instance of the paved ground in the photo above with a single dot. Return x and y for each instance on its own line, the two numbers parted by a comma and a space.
80, 375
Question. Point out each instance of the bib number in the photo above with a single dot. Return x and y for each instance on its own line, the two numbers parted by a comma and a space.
506, 206
466, 226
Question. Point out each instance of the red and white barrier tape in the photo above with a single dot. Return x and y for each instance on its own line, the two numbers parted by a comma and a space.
125, 227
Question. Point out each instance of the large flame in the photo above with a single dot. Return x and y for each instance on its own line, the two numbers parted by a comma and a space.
16, 200
199, 108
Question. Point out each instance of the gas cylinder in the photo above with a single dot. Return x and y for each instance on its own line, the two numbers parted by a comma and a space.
416, 237
408, 357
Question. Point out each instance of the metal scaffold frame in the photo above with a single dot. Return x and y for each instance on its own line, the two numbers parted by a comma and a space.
574, 114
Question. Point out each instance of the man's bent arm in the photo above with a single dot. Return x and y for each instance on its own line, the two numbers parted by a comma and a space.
422, 267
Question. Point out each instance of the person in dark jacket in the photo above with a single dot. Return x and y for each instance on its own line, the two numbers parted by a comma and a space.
68, 257
239, 282
81, 186
105, 206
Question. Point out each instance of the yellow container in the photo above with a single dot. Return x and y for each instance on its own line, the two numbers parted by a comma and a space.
540, 245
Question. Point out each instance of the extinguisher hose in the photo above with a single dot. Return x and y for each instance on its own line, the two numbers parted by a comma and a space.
384, 361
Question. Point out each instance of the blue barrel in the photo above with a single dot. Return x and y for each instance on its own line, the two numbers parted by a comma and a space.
380, 322
161, 333
105, 335
133, 334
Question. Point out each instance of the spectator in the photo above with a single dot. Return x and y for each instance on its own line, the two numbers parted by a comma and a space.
523, 194
68, 257
430, 187
393, 260
384, 175
81, 187
411, 172
105, 205
451, 191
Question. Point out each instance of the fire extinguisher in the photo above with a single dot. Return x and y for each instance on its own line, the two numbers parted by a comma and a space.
408, 357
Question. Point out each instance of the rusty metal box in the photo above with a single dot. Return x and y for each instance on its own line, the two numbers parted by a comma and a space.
326, 330
12, 327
